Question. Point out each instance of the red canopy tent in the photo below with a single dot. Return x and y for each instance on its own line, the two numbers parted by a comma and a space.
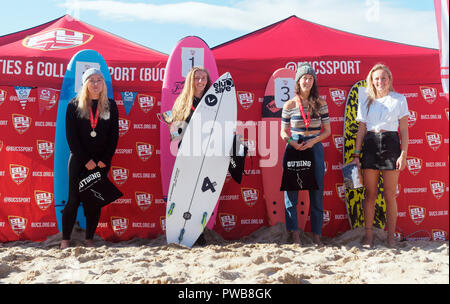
340, 59
38, 56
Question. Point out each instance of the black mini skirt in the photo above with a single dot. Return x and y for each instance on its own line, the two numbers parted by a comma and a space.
380, 151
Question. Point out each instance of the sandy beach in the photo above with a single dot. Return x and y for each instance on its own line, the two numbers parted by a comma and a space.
264, 257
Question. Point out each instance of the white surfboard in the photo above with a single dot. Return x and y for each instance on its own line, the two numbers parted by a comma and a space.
202, 163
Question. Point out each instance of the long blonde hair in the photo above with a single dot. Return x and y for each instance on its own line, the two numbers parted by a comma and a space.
85, 102
183, 104
371, 91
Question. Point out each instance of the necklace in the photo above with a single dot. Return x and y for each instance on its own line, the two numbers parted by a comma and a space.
307, 120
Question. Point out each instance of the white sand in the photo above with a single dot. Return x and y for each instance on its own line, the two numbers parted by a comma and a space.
264, 257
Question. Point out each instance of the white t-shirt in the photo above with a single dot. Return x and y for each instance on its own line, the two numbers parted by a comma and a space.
384, 113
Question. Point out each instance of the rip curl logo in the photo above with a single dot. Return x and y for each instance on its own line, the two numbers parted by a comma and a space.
119, 225
56, 39
124, 126
18, 173
246, 99
414, 165
437, 188
338, 96
434, 140
412, 118
227, 221
119, 175
428, 93
250, 196
178, 87
417, 214
45, 148
43, 199
21, 123
146, 102
18, 224
144, 150
143, 200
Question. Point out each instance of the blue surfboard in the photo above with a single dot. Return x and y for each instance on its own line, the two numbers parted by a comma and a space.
72, 83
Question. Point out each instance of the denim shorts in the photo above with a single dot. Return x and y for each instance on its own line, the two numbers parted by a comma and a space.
380, 150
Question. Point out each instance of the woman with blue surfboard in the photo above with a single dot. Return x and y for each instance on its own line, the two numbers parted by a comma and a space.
92, 132
305, 117
197, 83
381, 115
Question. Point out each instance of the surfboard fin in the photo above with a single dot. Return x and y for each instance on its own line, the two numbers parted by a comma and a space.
205, 214
169, 213
180, 237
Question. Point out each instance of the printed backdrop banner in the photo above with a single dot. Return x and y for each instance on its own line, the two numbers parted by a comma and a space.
29, 92
442, 11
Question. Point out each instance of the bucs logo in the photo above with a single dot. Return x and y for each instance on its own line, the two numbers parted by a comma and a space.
1, 145
412, 118
18, 224
338, 96
143, 200
227, 221
124, 126
21, 123
246, 99
340, 190
446, 110
439, 235
417, 214
326, 217
144, 150
146, 102
428, 93
119, 175
250, 196
434, 140
18, 173
45, 148
437, 188
339, 142
43, 199
57, 39
47, 98
414, 165
3, 95
119, 225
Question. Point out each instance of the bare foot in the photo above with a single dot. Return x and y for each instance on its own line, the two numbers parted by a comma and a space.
64, 244
368, 238
316, 240
391, 242
296, 238
89, 243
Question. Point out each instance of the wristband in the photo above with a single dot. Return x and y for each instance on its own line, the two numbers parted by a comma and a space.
289, 140
356, 152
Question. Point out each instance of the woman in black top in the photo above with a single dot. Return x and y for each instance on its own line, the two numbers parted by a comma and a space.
92, 132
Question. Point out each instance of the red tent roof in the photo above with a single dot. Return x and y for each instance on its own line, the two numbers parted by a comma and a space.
294, 40
294, 37
58, 40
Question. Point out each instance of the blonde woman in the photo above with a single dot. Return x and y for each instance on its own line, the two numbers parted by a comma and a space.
196, 84
92, 132
380, 117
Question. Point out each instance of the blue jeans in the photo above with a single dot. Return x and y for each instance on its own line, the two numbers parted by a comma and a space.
315, 196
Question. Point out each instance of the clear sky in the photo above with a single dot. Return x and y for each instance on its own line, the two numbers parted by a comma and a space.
160, 24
